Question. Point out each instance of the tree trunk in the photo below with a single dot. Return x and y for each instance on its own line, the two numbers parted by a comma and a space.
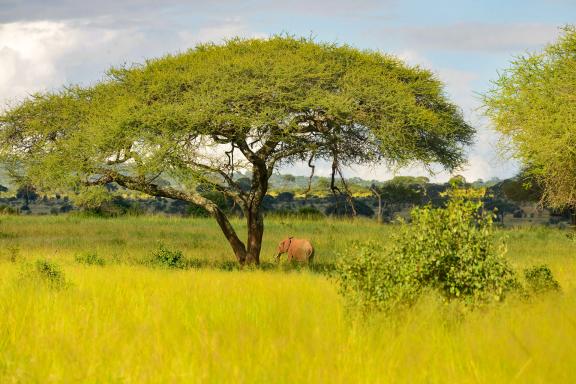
237, 246
254, 217
138, 184
255, 233
379, 212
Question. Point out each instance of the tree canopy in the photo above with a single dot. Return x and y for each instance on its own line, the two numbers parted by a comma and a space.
201, 116
533, 103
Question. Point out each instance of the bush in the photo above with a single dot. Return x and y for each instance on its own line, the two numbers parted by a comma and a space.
167, 258
90, 258
540, 279
311, 213
285, 197
43, 272
8, 210
450, 250
342, 208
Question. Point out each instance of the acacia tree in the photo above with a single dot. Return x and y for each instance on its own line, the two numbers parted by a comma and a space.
533, 104
202, 116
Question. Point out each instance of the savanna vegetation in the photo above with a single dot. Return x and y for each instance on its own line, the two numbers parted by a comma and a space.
96, 309
532, 103
255, 105
449, 295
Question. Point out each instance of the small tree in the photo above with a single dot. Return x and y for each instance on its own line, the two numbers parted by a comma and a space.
27, 193
451, 250
248, 105
533, 104
399, 190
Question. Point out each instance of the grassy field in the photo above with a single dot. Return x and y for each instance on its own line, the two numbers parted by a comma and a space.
128, 323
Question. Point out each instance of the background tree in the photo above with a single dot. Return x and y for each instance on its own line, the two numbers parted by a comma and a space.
533, 104
247, 105
399, 190
27, 192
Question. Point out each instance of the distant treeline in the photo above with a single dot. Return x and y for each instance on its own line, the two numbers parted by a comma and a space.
303, 196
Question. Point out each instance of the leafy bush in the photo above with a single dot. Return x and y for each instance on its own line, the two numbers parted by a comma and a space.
167, 258
8, 210
285, 197
450, 250
342, 208
540, 279
90, 258
43, 272
195, 210
310, 212
371, 279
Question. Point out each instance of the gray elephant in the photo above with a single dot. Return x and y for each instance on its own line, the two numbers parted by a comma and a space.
298, 249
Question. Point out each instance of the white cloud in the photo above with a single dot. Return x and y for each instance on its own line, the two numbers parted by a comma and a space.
476, 36
38, 56
28, 56
219, 31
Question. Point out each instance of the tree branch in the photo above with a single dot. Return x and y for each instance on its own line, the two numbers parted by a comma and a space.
140, 184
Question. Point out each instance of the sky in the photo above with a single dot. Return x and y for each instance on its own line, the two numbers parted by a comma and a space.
45, 44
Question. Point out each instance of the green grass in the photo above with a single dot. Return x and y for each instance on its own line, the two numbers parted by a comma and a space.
126, 323
128, 239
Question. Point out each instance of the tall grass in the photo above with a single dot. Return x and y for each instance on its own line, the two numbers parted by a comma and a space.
125, 323
127, 239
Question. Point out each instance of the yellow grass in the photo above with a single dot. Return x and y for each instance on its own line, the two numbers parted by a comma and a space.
125, 323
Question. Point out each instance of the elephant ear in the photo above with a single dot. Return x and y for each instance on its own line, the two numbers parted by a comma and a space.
283, 246
287, 243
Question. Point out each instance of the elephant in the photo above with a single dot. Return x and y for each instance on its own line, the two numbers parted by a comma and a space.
298, 249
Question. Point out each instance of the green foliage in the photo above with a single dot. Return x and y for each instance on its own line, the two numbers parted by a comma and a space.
533, 104
374, 107
450, 250
43, 272
195, 210
372, 280
90, 258
342, 208
310, 213
27, 193
217, 198
285, 197
92, 199
185, 119
522, 188
303, 213
99, 201
7, 210
167, 258
540, 279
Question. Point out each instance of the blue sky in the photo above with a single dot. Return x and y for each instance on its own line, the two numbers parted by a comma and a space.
45, 44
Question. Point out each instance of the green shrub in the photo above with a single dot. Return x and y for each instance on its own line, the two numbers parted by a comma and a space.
90, 258
450, 250
8, 210
371, 279
167, 258
43, 272
311, 213
540, 279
